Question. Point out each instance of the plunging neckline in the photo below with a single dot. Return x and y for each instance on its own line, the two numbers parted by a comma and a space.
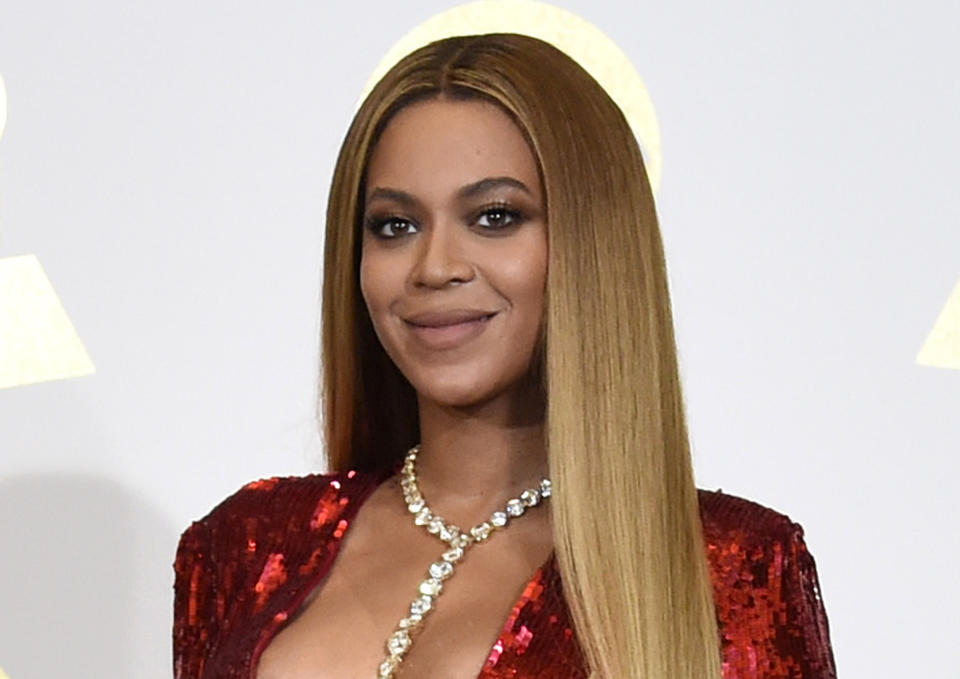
270, 633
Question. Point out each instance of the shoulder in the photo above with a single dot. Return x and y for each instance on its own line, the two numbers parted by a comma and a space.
251, 550
271, 508
726, 516
749, 546
265, 498
769, 607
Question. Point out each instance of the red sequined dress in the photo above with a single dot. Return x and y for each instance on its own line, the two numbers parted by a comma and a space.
244, 569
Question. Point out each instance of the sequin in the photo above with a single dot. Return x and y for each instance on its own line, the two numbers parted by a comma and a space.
243, 570
273, 575
263, 484
327, 507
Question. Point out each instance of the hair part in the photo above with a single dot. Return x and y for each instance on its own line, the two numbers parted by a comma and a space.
627, 531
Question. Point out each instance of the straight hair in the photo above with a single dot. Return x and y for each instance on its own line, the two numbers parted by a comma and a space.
627, 532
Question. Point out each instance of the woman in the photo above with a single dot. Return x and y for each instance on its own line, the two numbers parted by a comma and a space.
495, 302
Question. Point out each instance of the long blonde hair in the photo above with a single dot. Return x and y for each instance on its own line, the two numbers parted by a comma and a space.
627, 532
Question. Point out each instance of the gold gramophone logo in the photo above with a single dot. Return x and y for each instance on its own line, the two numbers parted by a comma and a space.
942, 348
37, 340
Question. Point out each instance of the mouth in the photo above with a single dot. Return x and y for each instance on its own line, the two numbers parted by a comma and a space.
448, 329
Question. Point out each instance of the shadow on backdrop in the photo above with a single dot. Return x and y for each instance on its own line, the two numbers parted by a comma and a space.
86, 573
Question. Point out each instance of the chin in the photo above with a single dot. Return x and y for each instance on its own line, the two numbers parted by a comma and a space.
460, 392
456, 396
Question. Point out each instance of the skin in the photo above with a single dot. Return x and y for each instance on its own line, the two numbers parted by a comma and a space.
481, 419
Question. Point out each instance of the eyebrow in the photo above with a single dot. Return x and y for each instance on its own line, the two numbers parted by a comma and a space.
468, 191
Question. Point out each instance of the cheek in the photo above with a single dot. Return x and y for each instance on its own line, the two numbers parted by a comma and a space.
523, 274
374, 282
365, 283
381, 276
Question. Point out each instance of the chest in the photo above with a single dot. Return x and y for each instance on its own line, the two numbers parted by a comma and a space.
341, 629
340, 638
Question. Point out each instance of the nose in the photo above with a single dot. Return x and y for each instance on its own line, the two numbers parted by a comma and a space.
442, 258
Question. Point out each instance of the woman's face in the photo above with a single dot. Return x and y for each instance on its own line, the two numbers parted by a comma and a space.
454, 255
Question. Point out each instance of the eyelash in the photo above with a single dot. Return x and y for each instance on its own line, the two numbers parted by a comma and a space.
375, 223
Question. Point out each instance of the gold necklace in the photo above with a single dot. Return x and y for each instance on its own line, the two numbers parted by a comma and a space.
456, 542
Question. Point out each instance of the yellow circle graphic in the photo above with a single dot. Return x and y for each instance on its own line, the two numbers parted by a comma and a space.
580, 39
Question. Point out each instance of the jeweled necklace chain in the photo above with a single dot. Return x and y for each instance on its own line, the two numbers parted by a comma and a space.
457, 543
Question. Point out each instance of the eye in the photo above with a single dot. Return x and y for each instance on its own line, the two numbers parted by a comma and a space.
389, 227
498, 217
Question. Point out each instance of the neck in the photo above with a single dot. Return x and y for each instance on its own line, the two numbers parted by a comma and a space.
472, 460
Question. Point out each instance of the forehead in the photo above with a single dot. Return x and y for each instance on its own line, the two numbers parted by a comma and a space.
431, 148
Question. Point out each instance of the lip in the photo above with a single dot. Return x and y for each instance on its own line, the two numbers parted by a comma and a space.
448, 329
434, 319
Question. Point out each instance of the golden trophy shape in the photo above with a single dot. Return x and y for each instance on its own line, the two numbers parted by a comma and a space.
38, 342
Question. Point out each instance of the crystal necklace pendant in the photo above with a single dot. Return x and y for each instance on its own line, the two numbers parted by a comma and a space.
456, 542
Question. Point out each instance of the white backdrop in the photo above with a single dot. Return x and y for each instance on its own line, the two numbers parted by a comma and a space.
168, 163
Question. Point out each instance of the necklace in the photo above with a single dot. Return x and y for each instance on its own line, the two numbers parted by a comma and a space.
456, 542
